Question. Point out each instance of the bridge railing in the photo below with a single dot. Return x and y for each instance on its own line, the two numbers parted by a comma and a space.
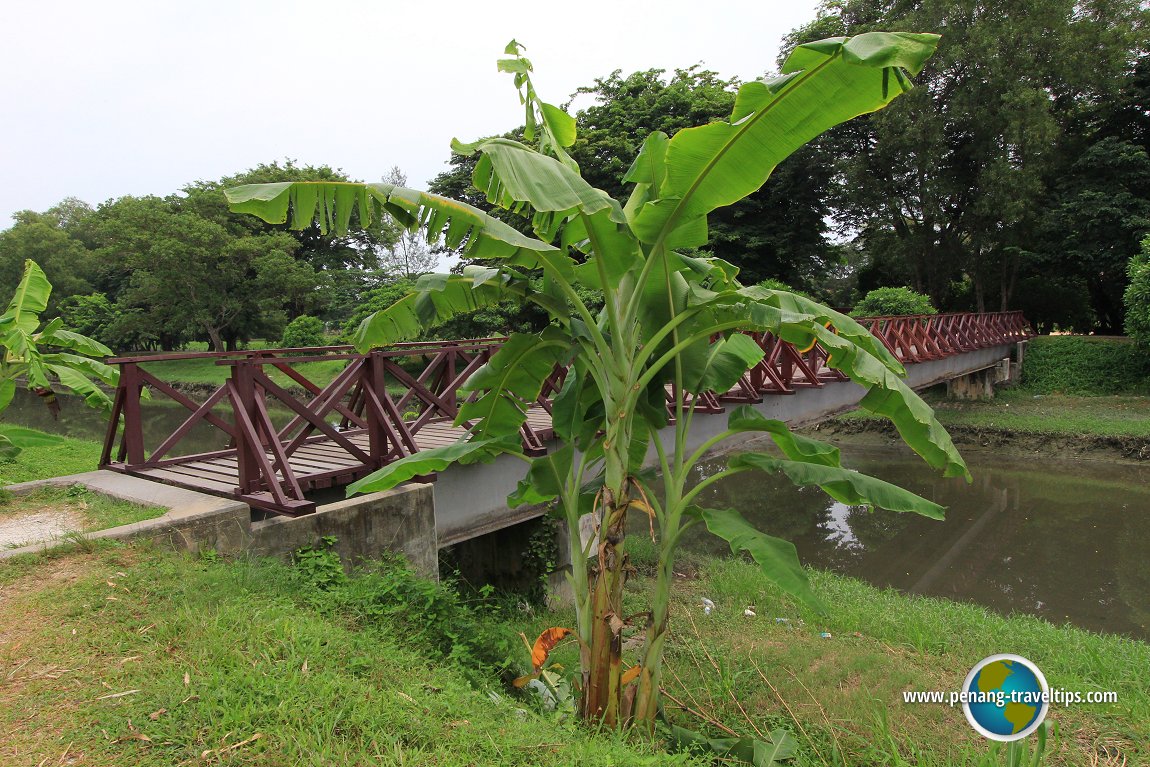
380, 407
392, 402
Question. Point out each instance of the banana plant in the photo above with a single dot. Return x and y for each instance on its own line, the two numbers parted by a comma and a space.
670, 322
45, 357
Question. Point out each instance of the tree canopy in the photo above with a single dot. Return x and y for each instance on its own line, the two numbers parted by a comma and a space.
159, 272
778, 232
994, 169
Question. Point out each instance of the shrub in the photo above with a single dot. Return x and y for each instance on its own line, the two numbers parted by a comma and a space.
1085, 365
386, 594
887, 302
1137, 296
303, 331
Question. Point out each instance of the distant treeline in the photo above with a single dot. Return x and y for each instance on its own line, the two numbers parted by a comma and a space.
1016, 175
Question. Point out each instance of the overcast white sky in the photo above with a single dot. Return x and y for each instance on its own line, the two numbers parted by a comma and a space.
102, 99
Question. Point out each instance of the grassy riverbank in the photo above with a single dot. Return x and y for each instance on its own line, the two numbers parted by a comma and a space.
132, 656
1023, 411
69, 456
1079, 396
129, 655
843, 694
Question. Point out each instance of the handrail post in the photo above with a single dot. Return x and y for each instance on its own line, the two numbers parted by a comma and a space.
373, 380
243, 397
133, 418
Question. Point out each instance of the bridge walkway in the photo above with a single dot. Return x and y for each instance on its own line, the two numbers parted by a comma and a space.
394, 402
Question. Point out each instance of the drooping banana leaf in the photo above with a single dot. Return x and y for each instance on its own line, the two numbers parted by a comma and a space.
545, 478
726, 361
778, 559
794, 446
14, 439
518, 178
849, 352
80, 384
84, 365
435, 299
330, 204
844, 485
431, 461
67, 339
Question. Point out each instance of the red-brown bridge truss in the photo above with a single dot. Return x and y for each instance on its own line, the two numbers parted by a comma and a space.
390, 403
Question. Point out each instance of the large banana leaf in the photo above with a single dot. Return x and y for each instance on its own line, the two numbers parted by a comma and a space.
823, 84
518, 178
29, 301
13, 439
54, 334
545, 478
511, 381
80, 384
852, 350
794, 446
778, 559
330, 204
431, 461
889, 395
844, 485
726, 361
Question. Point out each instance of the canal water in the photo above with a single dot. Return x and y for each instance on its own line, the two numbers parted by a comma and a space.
1067, 541
161, 417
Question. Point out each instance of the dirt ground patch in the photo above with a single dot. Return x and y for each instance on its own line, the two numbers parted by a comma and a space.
36, 526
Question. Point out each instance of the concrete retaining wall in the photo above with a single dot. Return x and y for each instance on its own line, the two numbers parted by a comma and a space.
401, 520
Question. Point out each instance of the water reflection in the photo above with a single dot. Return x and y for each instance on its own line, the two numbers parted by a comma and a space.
160, 415
1065, 541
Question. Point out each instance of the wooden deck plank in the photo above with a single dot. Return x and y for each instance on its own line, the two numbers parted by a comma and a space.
196, 482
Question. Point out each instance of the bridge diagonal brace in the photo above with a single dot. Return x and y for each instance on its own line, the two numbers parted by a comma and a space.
251, 450
314, 418
321, 402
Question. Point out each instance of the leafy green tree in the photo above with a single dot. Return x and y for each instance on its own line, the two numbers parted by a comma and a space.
1100, 212
892, 302
90, 314
41, 237
184, 276
668, 319
955, 178
45, 358
1137, 296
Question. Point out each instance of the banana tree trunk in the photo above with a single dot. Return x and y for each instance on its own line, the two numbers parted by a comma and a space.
646, 706
602, 697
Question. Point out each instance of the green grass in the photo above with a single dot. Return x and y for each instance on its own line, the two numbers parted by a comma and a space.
206, 371
843, 694
1021, 410
327, 670
69, 456
131, 656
